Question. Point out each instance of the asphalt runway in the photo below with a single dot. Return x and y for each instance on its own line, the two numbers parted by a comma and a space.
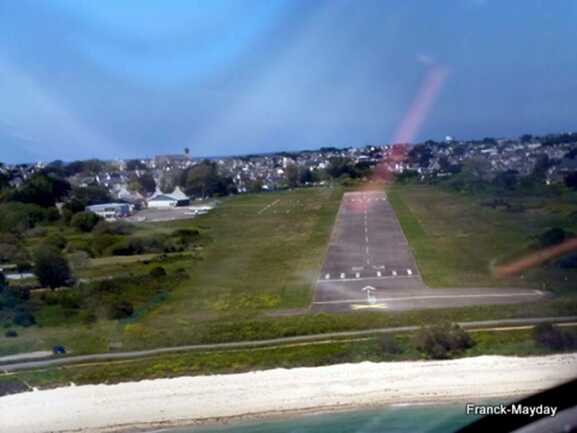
369, 266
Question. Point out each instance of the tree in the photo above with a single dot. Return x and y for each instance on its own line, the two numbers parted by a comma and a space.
255, 185
169, 181
203, 180
18, 217
306, 176
85, 221
552, 236
506, 180
144, 184
42, 190
89, 195
3, 282
135, 164
292, 176
51, 267
571, 180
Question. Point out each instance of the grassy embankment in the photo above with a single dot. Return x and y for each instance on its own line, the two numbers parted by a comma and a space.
510, 342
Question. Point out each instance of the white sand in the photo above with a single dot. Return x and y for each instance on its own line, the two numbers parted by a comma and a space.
187, 400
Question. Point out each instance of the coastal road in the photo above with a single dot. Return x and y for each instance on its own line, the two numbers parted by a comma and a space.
369, 265
485, 325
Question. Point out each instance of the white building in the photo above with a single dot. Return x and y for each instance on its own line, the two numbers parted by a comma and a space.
162, 201
111, 211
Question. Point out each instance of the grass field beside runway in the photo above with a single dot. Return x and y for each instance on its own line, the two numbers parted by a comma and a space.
456, 240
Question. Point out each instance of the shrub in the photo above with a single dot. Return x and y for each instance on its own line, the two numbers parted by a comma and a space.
24, 318
75, 245
55, 240
554, 338
11, 333
443, 341
3, 281
388, 344
102, 242
87, 317
79, 260
157, 272
51, 267
84, 221
121, 310
113, 228
552, 236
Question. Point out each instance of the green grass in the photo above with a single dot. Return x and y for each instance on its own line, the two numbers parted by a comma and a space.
456, 241
252, 259
510, 342
256, 259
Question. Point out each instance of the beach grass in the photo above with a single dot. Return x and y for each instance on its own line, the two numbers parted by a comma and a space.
516, 342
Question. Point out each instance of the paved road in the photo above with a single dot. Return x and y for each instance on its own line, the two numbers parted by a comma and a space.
369, 265
481, 324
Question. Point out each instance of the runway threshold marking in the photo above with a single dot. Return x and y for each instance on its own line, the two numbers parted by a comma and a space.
386, 277
410, 298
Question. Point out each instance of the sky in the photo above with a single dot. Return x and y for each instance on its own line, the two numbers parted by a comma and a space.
134, 78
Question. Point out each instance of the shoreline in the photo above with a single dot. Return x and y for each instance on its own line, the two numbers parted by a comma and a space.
279, 393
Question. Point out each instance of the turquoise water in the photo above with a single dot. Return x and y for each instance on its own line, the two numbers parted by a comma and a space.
404, 419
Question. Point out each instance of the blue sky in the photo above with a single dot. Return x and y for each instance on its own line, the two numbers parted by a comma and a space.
135, 78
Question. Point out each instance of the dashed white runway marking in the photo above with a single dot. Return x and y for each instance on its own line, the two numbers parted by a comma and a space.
357, 275
379, 273
274, 203
394, 273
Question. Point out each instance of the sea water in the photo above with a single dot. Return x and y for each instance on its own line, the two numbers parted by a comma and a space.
392, 419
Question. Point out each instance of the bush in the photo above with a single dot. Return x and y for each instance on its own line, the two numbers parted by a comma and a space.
388, 344
55, 240
552, 237
186, 237
18, 217
24, 318
11, 333
87, 317
157, 272
102, 242
443, 341
113, 228
554, 338
85, 221
51, 267
121, 310
79, 260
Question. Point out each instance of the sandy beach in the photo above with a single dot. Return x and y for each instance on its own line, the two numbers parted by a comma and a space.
220, 398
